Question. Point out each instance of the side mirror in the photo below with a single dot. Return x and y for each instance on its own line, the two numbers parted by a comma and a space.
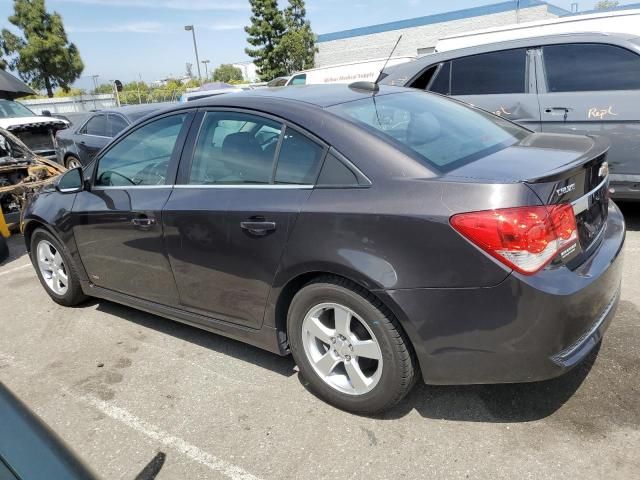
71, 182
46, 113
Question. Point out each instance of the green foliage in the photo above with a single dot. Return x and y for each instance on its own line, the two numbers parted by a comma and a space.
297, 45
227, 73
43, 55
604, 4
266, 29
284, 40
72, 92
104, 88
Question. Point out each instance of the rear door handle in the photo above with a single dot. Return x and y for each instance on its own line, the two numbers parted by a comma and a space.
143, 222
258, 227
559, 111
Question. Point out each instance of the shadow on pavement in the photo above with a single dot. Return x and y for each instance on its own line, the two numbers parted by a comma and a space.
631, 212
227, 346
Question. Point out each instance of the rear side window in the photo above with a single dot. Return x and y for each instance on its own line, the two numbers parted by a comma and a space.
335, 173
299, 159
299, 79
490, 73
234, 149
590, 67
97, 126
117, 124
438, 131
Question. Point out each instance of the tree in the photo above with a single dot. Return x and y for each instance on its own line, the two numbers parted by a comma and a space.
266, 29
104, 88
43, 55
227, 73
604, 4
297, 45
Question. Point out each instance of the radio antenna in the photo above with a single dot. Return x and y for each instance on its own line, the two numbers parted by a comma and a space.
388, 58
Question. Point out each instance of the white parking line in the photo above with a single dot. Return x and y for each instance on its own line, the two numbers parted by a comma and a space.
195, 453
12, 270
214, 463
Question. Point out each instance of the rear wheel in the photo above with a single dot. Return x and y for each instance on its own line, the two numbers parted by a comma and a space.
55, 270
73, 162
349, 347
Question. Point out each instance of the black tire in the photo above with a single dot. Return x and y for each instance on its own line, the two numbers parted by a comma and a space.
69, 159
399, 367
4, 249
74, 295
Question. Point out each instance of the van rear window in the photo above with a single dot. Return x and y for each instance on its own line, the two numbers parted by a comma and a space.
440, 132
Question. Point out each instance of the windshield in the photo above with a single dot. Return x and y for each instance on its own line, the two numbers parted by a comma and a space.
10, 109
441, 132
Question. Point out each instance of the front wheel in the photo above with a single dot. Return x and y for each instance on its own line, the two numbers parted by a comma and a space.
349, 347
73, 162
55, 270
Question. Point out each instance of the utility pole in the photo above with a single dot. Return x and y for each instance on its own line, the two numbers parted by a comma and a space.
191, 28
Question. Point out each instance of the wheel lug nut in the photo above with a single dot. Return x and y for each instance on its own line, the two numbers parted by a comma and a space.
350, 347
333, 339
347, 358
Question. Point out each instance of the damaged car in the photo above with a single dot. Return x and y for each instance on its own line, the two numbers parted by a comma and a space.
36, 131
21, 173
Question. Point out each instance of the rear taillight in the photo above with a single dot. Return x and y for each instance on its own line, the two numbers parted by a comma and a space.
524, 238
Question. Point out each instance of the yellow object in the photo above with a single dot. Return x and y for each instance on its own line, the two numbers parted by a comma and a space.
4, 228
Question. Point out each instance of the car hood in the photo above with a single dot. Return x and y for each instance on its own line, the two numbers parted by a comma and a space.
19, 123
538, 157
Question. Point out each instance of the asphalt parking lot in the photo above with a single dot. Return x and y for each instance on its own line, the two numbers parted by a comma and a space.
129, 390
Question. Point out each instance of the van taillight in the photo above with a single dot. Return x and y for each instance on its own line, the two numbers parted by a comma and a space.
523, 238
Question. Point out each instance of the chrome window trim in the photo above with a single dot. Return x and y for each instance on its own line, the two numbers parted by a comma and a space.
582, 203
266, 186
127, 187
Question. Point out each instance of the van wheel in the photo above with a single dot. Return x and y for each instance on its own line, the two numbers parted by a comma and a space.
55, 270
349, 347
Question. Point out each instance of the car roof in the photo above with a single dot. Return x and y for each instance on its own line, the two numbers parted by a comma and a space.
313, 95
136, 110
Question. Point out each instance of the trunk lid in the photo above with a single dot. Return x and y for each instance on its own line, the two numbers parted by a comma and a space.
559, 169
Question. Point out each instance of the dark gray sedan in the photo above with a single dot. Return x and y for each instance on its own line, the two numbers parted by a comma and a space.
380, 235
78, 144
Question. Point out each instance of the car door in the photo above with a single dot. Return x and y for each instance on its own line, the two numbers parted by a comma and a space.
117, 221
501, 82
229, 217
594, 89
93, 135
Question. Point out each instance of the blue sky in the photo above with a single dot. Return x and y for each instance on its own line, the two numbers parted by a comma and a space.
127, 38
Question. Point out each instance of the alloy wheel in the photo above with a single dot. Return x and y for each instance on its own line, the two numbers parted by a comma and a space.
342, 349
73, 162
52, 268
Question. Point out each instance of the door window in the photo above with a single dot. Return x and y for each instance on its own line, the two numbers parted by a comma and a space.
96, 125
233, 149
442, 83
590, 67
116, 125
490, 73
142, 157
299, 79
299, 159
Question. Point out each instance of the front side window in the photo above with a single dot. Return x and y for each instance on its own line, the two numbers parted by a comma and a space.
490, 73
299, 159
590, 67
234, 149
438, 131
143, 156
96, 125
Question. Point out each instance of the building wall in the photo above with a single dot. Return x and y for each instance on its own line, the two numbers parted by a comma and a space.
379, 45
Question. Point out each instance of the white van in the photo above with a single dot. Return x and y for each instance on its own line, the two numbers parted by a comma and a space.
345, 72
616, 21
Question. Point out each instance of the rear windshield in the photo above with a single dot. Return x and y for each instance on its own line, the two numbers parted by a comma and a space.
443, 133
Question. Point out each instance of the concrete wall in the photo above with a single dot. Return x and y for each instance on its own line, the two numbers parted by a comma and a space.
379, 45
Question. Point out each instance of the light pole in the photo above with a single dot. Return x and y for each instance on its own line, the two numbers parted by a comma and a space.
190, 28
206, 69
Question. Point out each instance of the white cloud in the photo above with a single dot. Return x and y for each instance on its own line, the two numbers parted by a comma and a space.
137, 27
168, 4
222, 26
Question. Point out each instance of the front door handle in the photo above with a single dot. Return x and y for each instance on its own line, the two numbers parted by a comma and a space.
258, 227
559, 111
143, 222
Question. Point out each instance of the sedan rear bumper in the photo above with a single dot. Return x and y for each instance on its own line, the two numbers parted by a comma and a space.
527, 328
